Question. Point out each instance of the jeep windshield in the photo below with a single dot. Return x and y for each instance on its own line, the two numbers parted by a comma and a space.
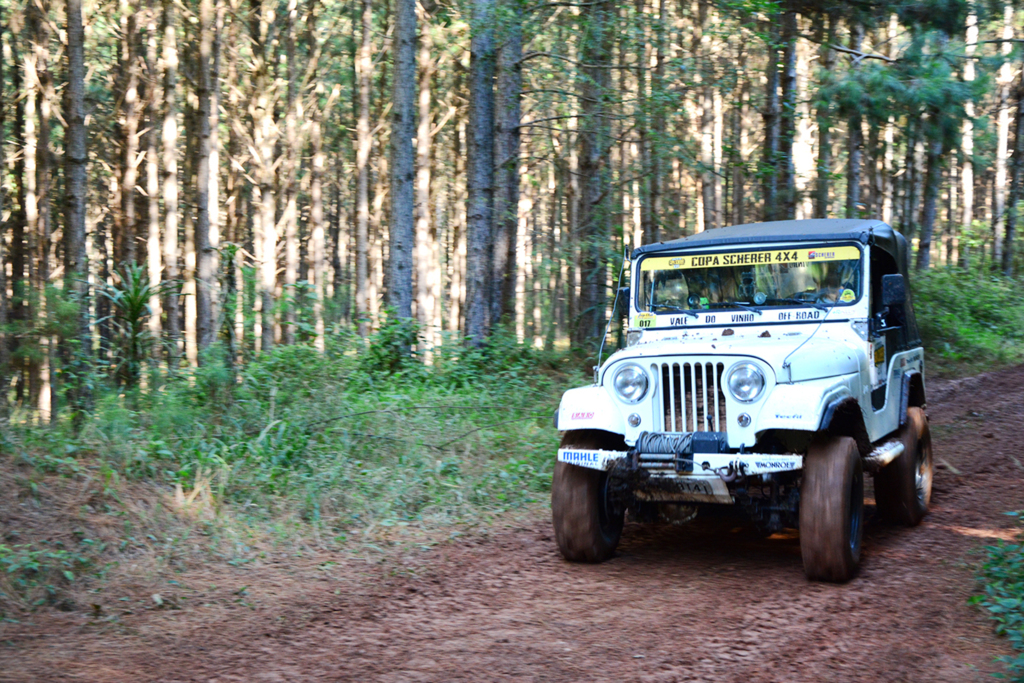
819, 277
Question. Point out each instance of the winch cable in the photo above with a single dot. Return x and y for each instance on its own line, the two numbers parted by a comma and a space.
657, 443
615, 308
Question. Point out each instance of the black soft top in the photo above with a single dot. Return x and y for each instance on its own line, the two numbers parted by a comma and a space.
873, 232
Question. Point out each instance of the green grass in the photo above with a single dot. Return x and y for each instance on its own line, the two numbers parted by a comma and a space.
970, 321
1002, 579
352, 439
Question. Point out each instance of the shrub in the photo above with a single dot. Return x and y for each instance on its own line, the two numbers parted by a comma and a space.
969, 320
1002, 578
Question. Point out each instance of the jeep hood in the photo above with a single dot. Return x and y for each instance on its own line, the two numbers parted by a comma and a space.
817, 358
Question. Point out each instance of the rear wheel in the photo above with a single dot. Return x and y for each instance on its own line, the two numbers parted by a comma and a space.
903, 488
587, 519
831, 509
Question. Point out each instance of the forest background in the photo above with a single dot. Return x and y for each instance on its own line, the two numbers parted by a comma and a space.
327, 265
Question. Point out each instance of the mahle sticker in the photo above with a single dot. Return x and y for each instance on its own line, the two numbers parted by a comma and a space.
751, 258
645, 320
847, 296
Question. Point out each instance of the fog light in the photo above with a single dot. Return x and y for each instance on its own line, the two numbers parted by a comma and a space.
744, 420
633, 420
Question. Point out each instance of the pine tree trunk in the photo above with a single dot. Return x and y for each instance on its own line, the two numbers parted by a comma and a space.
318, 226
76, 266
967, 144
265, 139
403, 171
1005, 82
821, 193
4, 334
770, 116
154, 263
657, 155
855, 139
595, 54
363, 145
129, 133
480, 172
19, 286
169, 137
506, 161
1016, 169
931, 196
291, 182
787, 132
207, 241
424, 243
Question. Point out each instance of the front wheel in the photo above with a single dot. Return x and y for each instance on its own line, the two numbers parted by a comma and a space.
587, 519
903, 488
831, 509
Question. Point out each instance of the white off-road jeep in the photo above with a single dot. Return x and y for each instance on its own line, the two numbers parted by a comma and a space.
767, 366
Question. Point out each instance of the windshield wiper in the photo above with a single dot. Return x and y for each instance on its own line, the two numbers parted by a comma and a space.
801, 302
665, 308
737, 304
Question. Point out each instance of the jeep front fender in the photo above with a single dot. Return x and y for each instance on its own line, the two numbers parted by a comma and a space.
590, 408
800, 405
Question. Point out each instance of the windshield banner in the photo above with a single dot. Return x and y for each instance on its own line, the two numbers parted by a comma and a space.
750, 258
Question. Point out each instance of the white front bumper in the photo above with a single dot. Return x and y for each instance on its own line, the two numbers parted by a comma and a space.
707, 463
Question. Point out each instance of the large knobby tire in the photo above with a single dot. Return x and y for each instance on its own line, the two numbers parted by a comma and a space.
588, 522
903, 488
831, 509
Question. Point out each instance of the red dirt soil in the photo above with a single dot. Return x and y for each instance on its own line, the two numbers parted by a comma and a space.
707, 602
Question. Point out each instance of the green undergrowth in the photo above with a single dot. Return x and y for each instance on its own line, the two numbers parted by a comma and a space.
970, 321
354, 439
1002, 580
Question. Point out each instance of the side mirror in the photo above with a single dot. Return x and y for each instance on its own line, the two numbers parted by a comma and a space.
894, 290
623, 299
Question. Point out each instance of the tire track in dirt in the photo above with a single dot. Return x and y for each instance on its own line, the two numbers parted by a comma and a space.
706, 602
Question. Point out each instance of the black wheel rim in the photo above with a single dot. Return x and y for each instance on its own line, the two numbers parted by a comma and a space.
856, 511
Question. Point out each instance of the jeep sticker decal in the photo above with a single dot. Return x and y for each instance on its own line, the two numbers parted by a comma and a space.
645, 320
747, 258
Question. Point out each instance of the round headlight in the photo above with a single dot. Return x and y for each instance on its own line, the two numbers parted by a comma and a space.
630, 383
746, 382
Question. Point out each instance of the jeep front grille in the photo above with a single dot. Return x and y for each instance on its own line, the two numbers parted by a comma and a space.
692, 396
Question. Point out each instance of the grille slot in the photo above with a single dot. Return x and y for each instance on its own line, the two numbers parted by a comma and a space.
692, 396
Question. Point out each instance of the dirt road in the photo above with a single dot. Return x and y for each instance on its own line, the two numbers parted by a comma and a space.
707, 602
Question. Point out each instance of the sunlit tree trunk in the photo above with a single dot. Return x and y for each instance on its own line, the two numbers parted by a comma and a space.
318, 226
129, 116
169, 137
426, 268
290, 219
154, 262
265, 138
207, 211
363, 144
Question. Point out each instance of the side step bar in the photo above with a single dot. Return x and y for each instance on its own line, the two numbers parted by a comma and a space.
883, 454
